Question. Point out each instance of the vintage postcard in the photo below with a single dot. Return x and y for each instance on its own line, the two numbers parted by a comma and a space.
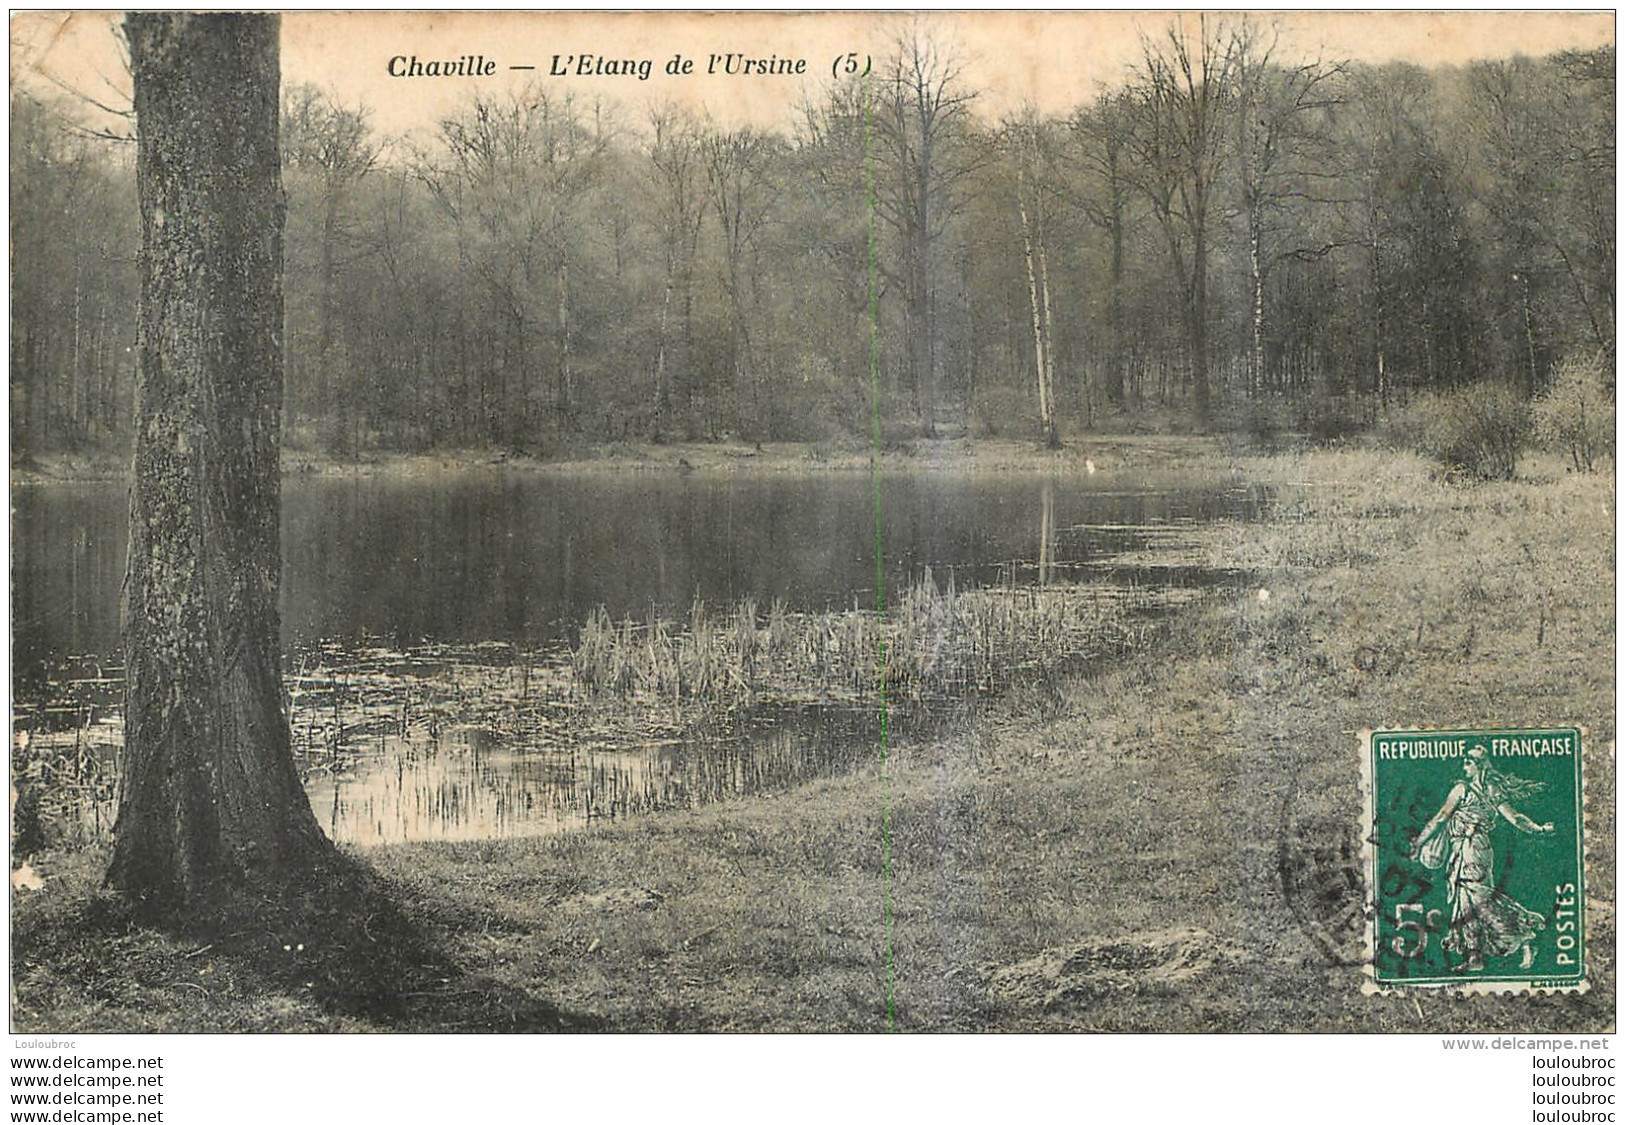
812, 522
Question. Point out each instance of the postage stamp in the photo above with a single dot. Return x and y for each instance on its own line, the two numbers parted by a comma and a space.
1476, 850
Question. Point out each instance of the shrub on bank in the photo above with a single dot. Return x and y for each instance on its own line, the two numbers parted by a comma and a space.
1329, 417
1575, 415
1480, 430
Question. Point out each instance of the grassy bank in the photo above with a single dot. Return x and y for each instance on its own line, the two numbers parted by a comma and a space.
1139, 453
1084, 454
1117, 855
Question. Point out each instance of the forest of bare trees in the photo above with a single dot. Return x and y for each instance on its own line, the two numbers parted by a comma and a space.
1233, 237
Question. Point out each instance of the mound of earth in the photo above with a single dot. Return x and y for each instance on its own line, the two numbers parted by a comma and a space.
1083, 974
617, 898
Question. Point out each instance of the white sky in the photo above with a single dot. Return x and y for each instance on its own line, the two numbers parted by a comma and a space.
1055, 60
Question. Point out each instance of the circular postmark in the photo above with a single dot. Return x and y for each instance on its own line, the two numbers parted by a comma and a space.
1319, 858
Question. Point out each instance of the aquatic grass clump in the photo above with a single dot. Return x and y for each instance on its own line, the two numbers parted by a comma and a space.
591, 656
63, 778
745, 642
700, 654
933, 643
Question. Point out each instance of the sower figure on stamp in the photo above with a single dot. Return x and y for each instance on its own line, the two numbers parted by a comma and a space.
1484, 920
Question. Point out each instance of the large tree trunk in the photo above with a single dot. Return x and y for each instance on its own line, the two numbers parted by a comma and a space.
926, 357
1533, 383
210, 804
1374, 250
1198, 322
564, 392
330, 403
1255, 263
662, 386
687, 379
1114, 372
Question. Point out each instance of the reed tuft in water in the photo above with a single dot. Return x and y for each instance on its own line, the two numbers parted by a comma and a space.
932, 643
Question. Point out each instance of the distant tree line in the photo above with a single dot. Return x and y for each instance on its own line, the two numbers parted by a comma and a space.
1232, 237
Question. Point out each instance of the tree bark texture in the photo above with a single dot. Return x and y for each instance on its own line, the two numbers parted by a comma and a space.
1114, 326
1198, 316
1043, 361
1255, 267
1052, 437
210, 802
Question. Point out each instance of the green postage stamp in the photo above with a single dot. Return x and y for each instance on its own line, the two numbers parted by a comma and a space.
1476, 849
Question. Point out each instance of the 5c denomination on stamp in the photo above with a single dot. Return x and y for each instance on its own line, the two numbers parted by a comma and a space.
1476, 874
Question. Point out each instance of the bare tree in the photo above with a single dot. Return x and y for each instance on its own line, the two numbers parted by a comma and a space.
511, 173
1545, 164
1182, 94
72, 281
921, 116
1388, 106
1103, 135
1282, 155
678, 192
743, 192
1022, 141
330, 149
831, 158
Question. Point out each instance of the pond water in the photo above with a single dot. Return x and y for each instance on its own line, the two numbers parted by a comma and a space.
513, 564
